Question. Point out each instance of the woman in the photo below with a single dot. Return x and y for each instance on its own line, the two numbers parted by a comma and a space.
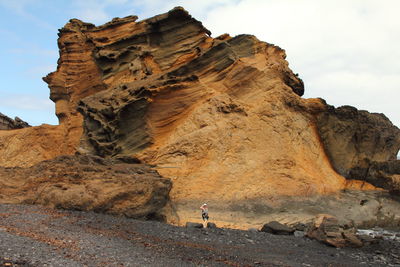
204, 212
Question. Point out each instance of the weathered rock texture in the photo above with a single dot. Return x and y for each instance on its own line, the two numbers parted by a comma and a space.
222, 117
87, 183
355, 138
6, 123
361, 145
382, 174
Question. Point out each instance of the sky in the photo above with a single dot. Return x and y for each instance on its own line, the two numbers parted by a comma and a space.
346, 51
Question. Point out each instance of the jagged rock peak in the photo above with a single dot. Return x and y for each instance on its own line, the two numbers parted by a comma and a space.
6, 123
177, 12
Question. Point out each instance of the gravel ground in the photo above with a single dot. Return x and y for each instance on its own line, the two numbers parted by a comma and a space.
37, 236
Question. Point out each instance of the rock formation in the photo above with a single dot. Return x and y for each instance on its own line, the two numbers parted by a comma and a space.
353, 138
87, 183
222, 117
381, 174
361, 145
6, 123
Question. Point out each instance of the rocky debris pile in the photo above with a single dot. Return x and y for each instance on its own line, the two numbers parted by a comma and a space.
6, 123
326, 229
89, 183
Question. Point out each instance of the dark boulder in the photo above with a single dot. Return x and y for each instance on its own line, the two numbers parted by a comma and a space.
277, 228
194, 225
211, 225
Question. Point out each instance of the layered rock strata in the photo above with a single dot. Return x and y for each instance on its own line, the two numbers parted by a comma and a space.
220, 116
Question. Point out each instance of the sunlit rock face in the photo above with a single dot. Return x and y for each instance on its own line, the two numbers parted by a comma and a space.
222, 117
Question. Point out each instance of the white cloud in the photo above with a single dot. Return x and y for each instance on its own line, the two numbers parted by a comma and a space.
198, 9
26, 102
41, 70
346, 51
91, 11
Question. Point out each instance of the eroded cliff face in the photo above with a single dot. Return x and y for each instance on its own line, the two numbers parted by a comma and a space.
222, 117
361, 145
354, 137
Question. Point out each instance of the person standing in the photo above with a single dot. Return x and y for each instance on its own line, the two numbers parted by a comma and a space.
204, 212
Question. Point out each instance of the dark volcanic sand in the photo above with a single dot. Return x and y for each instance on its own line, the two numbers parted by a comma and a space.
37, 236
